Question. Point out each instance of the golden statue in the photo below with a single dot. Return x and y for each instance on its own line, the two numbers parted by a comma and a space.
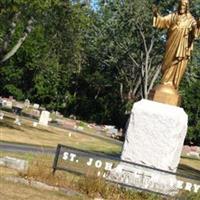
182, 31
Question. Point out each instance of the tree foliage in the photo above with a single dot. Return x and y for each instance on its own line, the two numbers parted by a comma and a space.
90, 62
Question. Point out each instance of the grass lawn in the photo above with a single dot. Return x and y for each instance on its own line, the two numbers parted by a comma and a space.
194, 163
51, 136
41, 165
40, 170
13, 191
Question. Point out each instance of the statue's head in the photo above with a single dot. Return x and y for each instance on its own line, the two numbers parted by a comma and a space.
183, 6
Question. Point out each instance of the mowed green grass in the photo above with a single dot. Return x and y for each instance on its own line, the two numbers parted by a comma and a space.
51, 136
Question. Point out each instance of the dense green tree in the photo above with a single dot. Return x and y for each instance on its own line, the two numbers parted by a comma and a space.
42, 65
20, 22
93, 63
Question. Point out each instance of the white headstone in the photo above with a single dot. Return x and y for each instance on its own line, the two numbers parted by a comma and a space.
1, 115
36, 106
27, 103
9, 104
154, 138
44, 118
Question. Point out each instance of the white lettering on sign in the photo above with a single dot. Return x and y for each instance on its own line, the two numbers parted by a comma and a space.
70, 156
188, 186
196, 188
65, 155
179, 184
98, 164
107, 166
144, 179
89, 163
99, 174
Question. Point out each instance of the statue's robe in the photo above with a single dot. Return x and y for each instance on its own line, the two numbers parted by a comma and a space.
182, 30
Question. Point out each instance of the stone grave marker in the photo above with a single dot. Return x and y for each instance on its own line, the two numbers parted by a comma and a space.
9, 104
1, 115
36, 106
44, 118
14, 163
154, 138
27, 103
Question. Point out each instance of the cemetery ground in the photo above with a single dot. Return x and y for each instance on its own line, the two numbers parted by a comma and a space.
40, 166
12, 191
51, 136
40, 169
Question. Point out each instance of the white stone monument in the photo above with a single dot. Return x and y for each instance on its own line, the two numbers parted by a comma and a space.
44, 118
1, 115
154, 138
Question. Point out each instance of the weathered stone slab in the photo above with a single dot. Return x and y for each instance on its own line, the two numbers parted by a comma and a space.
154, 138
14, 163
144, 178
155, 135
9, 104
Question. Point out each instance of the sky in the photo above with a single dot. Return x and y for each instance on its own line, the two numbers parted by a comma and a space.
94, 3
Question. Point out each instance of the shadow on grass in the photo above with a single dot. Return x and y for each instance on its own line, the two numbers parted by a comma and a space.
9, 123
187, 170
6, 124
37, 129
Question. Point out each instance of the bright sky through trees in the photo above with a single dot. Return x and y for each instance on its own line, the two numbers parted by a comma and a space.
94, 4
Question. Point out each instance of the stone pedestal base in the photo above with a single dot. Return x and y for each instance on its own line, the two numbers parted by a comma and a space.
165, 94
145, 179
154, 138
